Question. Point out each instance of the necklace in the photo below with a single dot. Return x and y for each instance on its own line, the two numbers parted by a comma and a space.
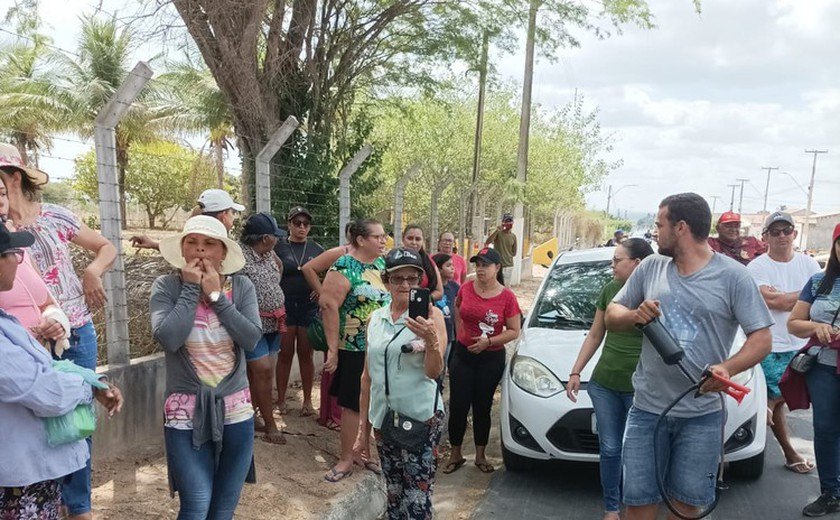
298, 261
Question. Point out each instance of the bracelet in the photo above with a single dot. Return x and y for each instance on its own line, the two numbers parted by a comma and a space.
574, 374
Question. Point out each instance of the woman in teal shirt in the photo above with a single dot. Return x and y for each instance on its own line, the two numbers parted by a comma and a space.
411, 351
610, 387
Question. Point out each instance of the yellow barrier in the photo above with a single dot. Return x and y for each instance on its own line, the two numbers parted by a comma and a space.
545, 253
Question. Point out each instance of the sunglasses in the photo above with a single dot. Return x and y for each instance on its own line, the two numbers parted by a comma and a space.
301, 223
399, 280
786, 231
18, 253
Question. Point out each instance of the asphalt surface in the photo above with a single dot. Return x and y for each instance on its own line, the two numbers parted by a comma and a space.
572, 491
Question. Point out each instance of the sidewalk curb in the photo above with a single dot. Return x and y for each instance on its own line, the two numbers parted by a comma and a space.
366, 501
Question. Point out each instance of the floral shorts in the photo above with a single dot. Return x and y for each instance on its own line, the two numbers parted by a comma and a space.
774, 366
40, 501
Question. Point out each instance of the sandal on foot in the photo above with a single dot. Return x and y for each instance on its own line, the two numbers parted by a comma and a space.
485, 467
259, 424
451, 466
275, 437
334, 426
373, 466
801, 467
335, 476
306, 411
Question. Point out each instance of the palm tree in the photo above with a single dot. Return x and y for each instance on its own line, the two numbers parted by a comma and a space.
33, 107
198, 106
93, 76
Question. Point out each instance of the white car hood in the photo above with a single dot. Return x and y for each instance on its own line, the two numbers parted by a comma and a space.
556, 349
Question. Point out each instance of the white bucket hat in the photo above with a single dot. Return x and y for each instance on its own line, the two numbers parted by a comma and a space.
10, 156
170, 247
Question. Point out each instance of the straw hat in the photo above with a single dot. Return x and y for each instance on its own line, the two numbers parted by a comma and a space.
170, 247
10, 156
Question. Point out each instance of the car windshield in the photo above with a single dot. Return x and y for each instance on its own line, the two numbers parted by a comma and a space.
568, 300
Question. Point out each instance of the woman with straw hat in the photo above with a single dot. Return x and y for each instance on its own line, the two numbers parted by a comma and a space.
206, 318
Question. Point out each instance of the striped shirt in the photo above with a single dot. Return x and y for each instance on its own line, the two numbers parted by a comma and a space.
213, 354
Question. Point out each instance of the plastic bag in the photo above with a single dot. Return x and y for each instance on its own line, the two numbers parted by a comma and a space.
81, 422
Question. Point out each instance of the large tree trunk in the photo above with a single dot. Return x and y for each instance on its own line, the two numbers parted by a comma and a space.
220, 165
151, 216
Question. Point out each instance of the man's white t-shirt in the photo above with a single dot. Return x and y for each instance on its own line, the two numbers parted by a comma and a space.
784, 277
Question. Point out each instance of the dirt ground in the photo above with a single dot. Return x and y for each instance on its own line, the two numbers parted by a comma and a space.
290, 481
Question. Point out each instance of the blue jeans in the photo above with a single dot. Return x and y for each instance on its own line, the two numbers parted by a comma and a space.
75, 489
688, 450
824, 388
207, 491
611, 409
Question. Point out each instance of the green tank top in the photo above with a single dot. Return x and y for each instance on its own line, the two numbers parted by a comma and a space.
621, 350
367, 293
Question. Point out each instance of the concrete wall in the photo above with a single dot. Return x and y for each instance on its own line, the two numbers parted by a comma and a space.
140, 424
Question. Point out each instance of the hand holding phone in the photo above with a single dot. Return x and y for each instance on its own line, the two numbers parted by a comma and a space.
418, 303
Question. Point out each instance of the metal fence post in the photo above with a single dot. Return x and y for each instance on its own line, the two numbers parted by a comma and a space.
399, 194
344, 188
434, 218
116, 307
263, 170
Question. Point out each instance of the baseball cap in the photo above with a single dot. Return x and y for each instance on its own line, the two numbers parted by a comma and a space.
10, 156
298, 210
262, 223
10, 240
779, 216
836, 234
214, 200
507, 217
400, 257
487, 255
729, 216
618, 232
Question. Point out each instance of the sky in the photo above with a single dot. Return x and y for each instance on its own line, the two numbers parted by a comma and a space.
699, 101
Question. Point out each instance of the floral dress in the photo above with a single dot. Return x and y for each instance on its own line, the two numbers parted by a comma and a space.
367, 293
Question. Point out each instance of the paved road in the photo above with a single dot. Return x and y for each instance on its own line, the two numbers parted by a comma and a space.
571, 491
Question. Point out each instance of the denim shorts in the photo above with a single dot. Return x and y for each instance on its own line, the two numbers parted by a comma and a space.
689, 449
267, 345
774, 366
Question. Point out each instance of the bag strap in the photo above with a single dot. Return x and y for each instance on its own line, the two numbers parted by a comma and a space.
834, 320
387, 386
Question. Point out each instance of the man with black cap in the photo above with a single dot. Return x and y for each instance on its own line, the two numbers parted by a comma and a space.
780, 275
504, 241
730, 242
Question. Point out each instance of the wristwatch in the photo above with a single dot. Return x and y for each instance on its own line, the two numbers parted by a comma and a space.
215, 295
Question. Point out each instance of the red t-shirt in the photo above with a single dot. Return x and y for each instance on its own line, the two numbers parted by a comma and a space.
750, 248
460, 266
480, 315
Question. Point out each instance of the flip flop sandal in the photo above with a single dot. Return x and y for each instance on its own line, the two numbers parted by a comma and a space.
485, 467
451, 467
274, 438
335, 476
334, 426
259, 424
306, 411
372, 466
795, 467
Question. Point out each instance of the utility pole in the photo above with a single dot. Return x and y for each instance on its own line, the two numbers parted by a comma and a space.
611, 195
732, 198
524, 134
609, 198
767, 186
803, 242
479, 123
714, 202
741, 197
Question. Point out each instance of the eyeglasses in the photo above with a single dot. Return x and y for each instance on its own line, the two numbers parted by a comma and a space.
399, 280
786, 231
17, 252
301, 223
616, 259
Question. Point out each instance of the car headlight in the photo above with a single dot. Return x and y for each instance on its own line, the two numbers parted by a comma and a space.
744, 377
534, 377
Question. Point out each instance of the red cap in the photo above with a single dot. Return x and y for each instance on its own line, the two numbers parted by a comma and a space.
729, 216
836, 234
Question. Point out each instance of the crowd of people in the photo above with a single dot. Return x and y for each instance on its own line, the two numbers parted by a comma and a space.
233, 314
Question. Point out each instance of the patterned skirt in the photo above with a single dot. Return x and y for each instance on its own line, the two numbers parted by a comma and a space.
40, 501
410, 477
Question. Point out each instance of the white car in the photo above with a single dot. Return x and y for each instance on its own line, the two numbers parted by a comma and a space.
539, 422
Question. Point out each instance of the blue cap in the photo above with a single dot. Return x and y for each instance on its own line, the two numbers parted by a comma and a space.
262, 223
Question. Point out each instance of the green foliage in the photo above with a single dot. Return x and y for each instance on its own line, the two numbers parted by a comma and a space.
161, 176
59, 191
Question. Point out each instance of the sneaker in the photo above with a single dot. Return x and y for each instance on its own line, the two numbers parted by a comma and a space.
825, 504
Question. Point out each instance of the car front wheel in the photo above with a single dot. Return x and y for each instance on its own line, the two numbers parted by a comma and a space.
751, 468
514, 462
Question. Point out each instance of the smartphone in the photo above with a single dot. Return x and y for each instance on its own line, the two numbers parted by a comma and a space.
418, 303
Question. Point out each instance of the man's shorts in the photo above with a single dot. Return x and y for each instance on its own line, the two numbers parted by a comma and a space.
774, 366
688, 458
267, 345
